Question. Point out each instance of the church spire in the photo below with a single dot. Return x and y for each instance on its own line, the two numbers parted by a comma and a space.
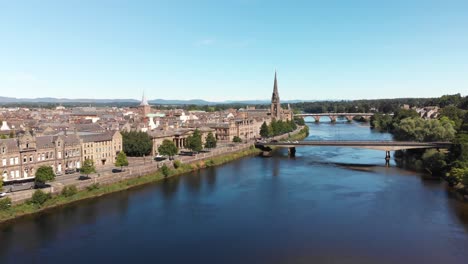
143, 100
275, 108
275, 95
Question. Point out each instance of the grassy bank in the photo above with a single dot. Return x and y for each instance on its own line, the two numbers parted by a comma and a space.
303, 133
29, 208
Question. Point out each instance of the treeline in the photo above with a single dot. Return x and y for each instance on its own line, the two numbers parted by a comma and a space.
276, 128
380, 105
451, 125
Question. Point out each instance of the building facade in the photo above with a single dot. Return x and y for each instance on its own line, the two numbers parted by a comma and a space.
22, 156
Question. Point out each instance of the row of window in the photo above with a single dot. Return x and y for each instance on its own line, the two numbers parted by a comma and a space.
13, 161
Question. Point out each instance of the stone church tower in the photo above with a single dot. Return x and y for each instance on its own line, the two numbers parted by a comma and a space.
145, 108
275, 108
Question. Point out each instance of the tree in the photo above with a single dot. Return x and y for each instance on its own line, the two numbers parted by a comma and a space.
88, 167
39, 197
121, 160
453, 113
168, 148
194, 141
264, 130
210, 141
136, 144
165, 170
418, 129
236, 139
434, 161
1, 182
44, 174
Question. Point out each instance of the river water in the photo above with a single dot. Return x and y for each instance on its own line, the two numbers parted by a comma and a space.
327, 205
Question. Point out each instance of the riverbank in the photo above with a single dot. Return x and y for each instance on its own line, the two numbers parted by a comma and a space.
28, 208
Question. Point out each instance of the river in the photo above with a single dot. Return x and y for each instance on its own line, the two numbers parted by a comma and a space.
326, 205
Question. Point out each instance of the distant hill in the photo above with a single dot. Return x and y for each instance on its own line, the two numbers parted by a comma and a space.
12, 100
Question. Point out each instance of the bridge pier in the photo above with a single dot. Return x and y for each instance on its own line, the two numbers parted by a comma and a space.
332, 118
317, 119
349, 118
292, 152
387, 158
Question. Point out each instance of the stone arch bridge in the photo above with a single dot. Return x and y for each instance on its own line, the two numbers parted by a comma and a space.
334, 116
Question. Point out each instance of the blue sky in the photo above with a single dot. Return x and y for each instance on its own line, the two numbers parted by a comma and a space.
229, 50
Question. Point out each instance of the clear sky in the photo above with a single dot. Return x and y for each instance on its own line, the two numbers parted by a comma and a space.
228, 50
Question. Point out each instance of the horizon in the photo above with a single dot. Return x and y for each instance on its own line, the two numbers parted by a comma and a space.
229, 51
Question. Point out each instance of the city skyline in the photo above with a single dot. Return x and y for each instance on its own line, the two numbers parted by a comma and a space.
229, 51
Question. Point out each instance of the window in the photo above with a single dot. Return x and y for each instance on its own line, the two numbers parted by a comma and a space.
17, 174
4, 162
11, 161
16, 160
25, 159
59, 155
58, 143
30, 158
12, 174
5, 174
3, 150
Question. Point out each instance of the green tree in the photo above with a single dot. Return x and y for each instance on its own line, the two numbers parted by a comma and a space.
88, 167
165, 170
5, 203
136, 144
39, 197
459, 175
68, 191
264, 130
453, 113
210, 141
168, 148
194, 141
299, 120
236, 139
418, 129
1, 182
44, 174
121, 160
434, 162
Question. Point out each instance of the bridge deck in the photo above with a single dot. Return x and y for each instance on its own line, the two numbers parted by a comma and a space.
379, 145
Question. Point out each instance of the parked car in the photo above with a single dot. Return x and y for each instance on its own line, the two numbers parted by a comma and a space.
70, 171
3, 194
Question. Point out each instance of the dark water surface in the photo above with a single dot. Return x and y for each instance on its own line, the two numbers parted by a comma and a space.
259, 210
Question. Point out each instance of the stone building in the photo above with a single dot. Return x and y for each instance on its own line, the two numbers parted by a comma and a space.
22, 156
101, 148
178, 136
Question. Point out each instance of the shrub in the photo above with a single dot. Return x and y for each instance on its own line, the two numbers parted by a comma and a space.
177, 164
209, 163
165, 170
5, 203
93, 187
39, 197
236, 139
69, 191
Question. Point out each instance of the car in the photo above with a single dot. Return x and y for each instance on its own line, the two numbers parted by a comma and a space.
116, 170
70, 171
3, 194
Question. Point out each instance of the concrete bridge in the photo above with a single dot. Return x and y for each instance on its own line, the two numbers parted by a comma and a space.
386, 146
334, 116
